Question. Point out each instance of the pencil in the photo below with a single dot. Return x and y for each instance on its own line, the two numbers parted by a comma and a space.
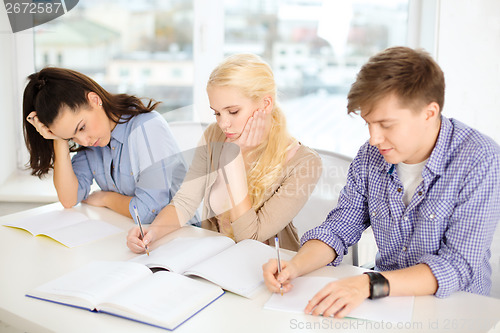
140, 226
277, 245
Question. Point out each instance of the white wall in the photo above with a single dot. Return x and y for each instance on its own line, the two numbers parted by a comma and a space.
469, 53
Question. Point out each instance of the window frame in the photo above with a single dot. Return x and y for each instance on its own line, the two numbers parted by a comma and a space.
24, 65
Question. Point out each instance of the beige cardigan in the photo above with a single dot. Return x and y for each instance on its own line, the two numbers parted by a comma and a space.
285, 199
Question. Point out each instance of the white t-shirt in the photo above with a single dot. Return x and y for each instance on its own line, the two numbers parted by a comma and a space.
411, 176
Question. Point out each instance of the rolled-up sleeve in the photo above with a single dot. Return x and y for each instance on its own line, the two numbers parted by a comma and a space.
158, 167
192, 190
155, 188
83, 173
347, 221
286, 202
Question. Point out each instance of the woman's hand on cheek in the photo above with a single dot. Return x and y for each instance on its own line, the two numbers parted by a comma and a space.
254, 132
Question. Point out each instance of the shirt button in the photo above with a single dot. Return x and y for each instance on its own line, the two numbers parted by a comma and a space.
114, 185
419, 192
131, 173
432, 216
154, 210
374, 213
400, 189
93, 172
404, 248
405, 218
113, 148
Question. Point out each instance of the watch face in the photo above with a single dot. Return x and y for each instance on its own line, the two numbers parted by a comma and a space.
380, 289
379, 286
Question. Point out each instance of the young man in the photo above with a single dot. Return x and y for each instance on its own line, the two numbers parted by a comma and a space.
428, 186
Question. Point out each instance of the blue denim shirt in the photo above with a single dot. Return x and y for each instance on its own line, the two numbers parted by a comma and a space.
142, 160
449, 223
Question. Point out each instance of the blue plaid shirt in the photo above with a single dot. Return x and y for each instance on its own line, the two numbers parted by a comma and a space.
449, 223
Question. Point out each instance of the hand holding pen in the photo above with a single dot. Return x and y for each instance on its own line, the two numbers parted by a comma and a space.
277, 245
138, 220
279, 274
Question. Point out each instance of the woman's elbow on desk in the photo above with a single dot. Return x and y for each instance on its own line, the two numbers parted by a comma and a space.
67, 202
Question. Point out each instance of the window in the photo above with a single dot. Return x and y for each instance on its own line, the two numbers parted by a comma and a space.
141, 47
315, 48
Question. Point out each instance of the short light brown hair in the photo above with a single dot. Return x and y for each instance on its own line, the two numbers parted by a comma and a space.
411, 75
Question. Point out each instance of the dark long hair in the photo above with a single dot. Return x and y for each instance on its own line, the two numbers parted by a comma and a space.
51, 89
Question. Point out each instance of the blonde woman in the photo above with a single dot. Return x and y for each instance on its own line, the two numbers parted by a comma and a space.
252, 176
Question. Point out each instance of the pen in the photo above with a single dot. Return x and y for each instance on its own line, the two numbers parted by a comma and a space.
277, 245
140, 226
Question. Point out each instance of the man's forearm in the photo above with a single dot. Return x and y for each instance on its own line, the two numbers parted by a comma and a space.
412, 281
312, 255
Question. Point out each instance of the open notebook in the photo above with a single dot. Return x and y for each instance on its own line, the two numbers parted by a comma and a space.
389, 309
130, 290
66, 226
233, 267
168, 297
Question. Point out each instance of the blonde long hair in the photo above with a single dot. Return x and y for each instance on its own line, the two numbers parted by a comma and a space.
255, 79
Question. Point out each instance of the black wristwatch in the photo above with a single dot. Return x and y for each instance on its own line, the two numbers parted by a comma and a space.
379, 286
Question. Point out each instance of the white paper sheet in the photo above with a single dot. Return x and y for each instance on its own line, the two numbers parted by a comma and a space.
388, 309
83, 232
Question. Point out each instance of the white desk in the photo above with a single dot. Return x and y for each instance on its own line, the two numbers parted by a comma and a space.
27, 261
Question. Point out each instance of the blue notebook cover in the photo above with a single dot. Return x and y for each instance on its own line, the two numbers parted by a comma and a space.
131, 291
128, 318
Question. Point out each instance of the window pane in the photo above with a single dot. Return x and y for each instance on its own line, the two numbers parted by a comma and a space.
143, 48
316, 48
